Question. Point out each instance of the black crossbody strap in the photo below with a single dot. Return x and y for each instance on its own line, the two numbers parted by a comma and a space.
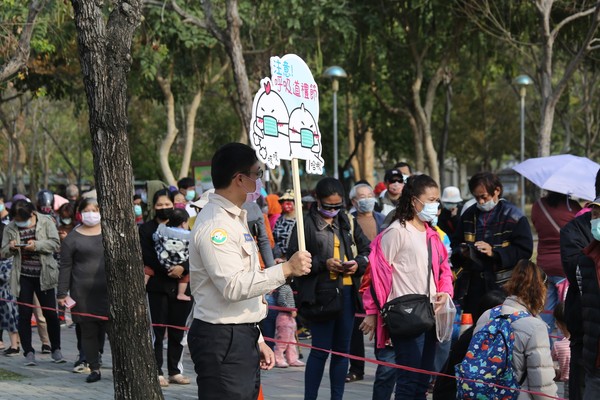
430, 268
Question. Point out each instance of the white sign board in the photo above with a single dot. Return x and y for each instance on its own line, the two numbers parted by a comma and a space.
285, 115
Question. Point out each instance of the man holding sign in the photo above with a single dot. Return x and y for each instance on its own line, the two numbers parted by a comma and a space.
228, 285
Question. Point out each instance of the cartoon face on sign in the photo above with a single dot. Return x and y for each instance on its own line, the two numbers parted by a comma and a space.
290, 87
270, 128
305, 140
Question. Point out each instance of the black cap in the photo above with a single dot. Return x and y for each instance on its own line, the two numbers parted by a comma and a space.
391, 174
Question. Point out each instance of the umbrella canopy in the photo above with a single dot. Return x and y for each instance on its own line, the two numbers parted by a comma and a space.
564, 173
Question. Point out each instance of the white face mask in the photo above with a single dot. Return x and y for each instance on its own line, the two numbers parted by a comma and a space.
487, 206
90, 218
429, 211
366, 205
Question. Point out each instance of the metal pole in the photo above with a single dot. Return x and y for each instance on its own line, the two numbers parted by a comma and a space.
335, 85
522, 93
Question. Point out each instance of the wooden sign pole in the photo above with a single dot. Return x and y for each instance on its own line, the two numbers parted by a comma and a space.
298, 205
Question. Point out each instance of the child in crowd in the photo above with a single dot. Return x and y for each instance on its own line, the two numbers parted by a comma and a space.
171, 242
561, 352
285, 326
179, 201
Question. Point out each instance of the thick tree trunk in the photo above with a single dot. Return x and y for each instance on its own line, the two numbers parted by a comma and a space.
105, 56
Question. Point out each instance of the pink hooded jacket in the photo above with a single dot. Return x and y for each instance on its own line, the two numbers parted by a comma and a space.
381, 278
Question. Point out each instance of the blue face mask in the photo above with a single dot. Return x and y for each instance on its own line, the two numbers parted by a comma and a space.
137, 209
434, 221
23, 224
596, 228
190, 195
429, 211
366, 205
1, 207
270, 124
487, 206
306, 137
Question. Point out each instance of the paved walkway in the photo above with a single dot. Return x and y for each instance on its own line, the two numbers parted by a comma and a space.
51, 381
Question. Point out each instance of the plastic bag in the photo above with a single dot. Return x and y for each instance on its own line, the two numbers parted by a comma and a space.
444, 320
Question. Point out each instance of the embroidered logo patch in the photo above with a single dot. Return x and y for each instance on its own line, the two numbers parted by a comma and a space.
218, 236
247, 237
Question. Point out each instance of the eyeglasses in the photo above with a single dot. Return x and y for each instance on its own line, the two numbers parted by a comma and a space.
326, 206
259, 173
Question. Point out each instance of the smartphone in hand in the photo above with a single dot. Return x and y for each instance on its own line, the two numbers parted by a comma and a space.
21, 245
347, 265
69, 302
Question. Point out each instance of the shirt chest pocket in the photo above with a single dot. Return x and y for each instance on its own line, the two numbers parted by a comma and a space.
249, 249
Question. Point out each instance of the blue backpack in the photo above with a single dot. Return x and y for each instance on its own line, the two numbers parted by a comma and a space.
489, 360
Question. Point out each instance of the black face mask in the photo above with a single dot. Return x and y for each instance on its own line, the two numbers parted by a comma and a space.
164, 213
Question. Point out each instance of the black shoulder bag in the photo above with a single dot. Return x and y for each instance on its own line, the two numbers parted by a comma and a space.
410, 315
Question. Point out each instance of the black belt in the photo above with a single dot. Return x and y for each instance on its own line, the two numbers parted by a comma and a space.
250, 324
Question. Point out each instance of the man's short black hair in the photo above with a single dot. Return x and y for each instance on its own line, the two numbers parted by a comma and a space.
185, 183
403, 164
230, 160
489, 181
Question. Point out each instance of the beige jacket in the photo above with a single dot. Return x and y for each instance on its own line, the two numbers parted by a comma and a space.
47, 243
531, 351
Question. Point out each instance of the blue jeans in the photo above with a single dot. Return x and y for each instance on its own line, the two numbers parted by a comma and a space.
551, 301
385, 377
267, 325
330, 335
419, 353
442, 351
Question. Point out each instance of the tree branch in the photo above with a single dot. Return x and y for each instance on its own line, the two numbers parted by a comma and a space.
571, 18
187, 17
19, 59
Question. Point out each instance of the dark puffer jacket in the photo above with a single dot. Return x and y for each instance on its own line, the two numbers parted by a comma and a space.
574, 237
590, 310
319, 243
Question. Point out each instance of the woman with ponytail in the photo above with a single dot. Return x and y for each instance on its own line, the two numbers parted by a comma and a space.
401, 266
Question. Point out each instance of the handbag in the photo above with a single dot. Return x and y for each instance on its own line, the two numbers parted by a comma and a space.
327, 305
410, 315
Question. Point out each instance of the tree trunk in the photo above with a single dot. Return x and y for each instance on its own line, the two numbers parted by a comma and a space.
190, 127
171, 135
105, 57
352, 139
444, 137
368, 159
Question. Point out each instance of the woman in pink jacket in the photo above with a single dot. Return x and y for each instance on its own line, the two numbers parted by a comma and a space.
400, 264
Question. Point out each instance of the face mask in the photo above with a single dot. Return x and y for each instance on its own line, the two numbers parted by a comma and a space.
487, 206
164, 213
190, 195
307, 138
253, 196
405, 177
137, 209
596, 228
270, 124
450, 206
429, 211
66, 221
181, 206
434, 221
46, 210
287, 207
1, 207
23, 224
90, 218
328, 213
366, 205
144, 197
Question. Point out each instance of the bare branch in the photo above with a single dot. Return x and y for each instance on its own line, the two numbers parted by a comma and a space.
219, 74
187, 17
19, 59
211, 23
572, 18
386, 106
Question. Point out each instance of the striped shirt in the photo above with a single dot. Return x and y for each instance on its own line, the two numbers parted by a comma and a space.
30, 260
561, 352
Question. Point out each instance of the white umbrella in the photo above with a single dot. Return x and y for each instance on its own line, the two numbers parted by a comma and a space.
564, 173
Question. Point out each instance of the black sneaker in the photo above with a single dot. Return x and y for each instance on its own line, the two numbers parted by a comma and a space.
93, 377
11, 352
46, 349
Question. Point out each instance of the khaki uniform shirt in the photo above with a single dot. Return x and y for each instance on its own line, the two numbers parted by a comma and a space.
225, 276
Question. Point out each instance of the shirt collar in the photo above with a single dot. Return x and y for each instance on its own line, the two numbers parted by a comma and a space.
227, 205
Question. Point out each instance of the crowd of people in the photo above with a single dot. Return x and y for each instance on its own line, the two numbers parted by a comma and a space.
215, 262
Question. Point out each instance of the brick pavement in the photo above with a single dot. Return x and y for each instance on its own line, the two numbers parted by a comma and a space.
49, 381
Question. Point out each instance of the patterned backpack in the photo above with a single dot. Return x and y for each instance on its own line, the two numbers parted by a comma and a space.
489, 359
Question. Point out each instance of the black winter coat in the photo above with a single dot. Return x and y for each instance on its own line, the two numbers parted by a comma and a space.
319, 243
590, 312
574, 237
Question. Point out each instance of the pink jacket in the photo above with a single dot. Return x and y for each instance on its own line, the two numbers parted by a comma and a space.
381, 278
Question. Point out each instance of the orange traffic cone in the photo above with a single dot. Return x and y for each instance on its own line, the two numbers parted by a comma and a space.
260, 394
466, 321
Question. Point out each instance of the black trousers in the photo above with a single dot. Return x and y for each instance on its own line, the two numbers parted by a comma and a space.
357, 348
226, 360
47, 298
168, 311
92, 341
